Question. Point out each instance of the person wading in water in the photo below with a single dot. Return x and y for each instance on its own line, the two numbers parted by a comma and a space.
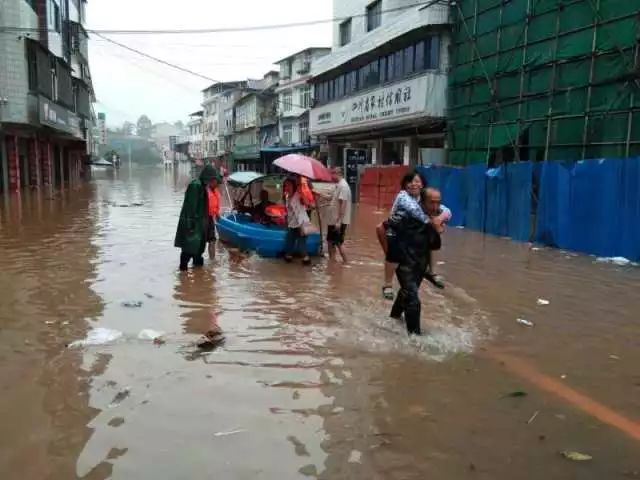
194, 226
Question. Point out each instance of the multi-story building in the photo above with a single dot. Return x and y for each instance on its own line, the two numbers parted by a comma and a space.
195, 124
217, 104
46, 94
383, 88
255, 123
295, 94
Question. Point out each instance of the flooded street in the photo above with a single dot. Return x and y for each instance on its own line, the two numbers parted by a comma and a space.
313, 380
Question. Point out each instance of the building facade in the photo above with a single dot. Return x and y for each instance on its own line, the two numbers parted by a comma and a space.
195, 125
545, 80
46, 94
295, 95
255, 123
217, 103
382, 91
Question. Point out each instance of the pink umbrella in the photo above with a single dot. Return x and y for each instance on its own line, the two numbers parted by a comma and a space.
305, 166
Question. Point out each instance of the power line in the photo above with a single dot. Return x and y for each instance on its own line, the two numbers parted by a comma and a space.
186, 70
230, 29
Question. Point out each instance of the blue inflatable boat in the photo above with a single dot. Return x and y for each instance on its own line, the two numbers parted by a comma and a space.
238, 229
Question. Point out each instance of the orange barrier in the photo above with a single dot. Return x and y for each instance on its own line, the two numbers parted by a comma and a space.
379, 185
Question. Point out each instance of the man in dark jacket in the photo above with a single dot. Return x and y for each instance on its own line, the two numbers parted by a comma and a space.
415, 241
193, 227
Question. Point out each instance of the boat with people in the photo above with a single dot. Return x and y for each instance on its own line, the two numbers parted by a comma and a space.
256, 220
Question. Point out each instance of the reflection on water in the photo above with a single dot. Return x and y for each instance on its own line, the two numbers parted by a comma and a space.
313, 379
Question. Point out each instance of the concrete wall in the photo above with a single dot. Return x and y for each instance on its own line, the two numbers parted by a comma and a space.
14, 77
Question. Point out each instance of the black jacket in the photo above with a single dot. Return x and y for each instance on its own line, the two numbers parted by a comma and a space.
415, 241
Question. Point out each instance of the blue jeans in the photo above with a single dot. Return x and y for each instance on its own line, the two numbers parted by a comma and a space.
295, 242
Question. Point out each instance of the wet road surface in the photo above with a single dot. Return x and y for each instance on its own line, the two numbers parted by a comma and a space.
313, 381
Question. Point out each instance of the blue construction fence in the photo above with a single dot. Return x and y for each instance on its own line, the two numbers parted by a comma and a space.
590, 206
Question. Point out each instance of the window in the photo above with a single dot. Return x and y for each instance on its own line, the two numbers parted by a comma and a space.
345, 32
398, 70
304, 95
374, 15
54, 79
304, 132
338, 87
409, 66
419, 58
433, 59
285, 69
287, 102
287, 134
56, 13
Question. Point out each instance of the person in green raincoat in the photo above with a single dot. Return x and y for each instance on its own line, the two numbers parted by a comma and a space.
193, 226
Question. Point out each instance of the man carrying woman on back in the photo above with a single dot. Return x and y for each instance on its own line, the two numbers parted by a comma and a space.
408, 238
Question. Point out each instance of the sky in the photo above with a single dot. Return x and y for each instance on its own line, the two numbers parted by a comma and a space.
128, 85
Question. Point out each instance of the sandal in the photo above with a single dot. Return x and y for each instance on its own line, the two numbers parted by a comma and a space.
387, 292
435, 280
306, 261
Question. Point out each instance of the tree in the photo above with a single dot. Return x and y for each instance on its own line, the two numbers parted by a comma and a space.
145, 127
128, 128
179, 125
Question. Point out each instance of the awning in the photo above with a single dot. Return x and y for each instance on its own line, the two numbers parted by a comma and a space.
243, 178
287, 149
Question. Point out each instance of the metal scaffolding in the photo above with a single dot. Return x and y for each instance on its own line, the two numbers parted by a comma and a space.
543, 79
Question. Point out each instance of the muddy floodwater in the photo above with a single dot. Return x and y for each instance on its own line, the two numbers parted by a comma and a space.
313, 380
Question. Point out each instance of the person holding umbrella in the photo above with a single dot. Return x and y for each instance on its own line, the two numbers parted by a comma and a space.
297, 222
194, 227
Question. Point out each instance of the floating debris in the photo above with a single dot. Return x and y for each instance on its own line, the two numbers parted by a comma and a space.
543, 302
524, 322
533, 417
576, 456
98, 336
120, 397
516, 394
132, 304
355, 456
614, 357
620, 261
226, 434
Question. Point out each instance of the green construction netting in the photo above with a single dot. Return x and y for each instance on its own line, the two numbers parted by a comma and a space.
578, 15
486, 4
508, 113
617, 8
542, 6
539, 81
512, 36
635, 126
609, 67
514, 12
504, 135
540, 53
618, 34
573, 74
575, 44
605, 151
562, 31
508, 87
567, 130
608, 128
572, 101
542, 27
606, 98
537, 133
488, 21
536, 108
511, 61
487, 44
